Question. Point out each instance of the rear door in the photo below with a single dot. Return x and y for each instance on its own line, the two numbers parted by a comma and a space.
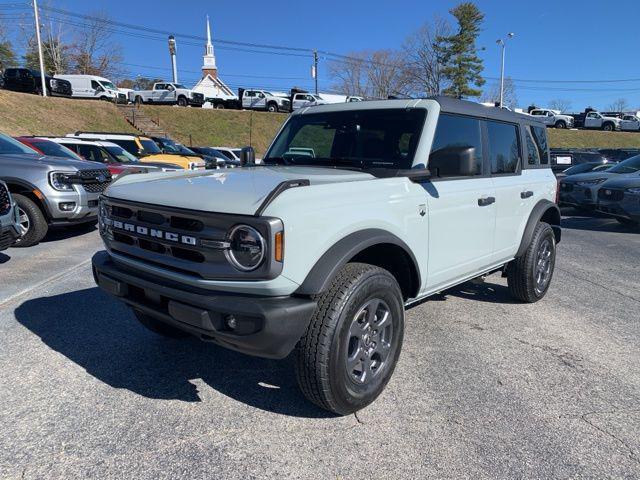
514, 195
462, 210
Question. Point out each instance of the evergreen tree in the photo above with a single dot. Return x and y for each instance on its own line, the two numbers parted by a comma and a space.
458, 53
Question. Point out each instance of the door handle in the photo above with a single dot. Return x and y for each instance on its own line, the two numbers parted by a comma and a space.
484, 201
526, 194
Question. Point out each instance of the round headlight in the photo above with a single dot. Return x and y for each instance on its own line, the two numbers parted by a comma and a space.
247, 248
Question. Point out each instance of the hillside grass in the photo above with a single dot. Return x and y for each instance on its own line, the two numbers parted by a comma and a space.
25, 114
222, 128
592, 139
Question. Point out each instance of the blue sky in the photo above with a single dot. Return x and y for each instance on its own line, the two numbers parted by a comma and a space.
555, 40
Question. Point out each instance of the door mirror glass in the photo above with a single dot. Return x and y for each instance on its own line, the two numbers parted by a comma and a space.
247, 156
453, 162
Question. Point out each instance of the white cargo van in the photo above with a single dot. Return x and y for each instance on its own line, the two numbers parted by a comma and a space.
92, 86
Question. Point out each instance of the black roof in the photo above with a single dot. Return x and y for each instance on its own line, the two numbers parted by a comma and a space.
464, 107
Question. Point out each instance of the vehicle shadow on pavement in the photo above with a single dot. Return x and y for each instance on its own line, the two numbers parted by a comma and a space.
102, 336
4, 258
59, 233
482, 292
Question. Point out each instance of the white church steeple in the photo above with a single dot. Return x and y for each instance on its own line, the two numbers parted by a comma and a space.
209, 59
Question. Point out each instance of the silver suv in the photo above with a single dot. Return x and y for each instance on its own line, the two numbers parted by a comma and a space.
358, 211
50, 191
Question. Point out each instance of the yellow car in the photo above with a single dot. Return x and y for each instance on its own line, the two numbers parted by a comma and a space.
145, 149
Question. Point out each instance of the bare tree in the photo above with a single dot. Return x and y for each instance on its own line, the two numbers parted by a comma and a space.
510, 98
95, 52
620, 105
423, 68
386, 74
561, 104
350, 74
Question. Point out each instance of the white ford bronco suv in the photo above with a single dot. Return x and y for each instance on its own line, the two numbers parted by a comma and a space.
358, 211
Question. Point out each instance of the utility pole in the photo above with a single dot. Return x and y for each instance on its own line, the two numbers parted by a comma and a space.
503, 44
36, 16
172, 53
314, 69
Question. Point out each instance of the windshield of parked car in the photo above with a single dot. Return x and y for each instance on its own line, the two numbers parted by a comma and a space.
630, 165
121, 154
109, 85
149, 147
10, 146
381, 138
54, 149
179, 85
174, 147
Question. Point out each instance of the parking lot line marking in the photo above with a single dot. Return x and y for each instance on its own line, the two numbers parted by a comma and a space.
22, 293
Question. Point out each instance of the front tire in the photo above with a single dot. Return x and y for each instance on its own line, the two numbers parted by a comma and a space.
608, 127
529, 276
32, 221
561, 124
352, 344
182, 102
272, 107
158, 327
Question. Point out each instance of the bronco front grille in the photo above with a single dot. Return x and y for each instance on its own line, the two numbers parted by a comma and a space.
609, 194
182, 241
5, 203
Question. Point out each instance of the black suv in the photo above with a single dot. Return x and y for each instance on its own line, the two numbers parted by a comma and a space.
28, 81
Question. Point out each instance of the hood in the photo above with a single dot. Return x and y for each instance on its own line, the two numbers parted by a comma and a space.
60, 163
631, 180
580, 177
238, 190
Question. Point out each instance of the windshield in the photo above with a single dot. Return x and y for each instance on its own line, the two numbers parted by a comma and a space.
174, 147
384, 138
108, 85
54, 149
149, 146
121, 154
630, 165
179, 85
10, 146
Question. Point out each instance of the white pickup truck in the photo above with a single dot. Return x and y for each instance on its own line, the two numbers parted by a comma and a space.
168, 93
630, 123
596, 120
264, 100
552, 118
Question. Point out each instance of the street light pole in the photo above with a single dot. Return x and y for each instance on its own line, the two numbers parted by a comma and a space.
314, 70
36, 16
172, 52
503, 44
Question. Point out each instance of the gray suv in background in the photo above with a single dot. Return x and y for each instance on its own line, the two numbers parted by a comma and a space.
50, 191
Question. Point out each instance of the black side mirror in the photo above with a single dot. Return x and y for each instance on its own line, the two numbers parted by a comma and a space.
247, 156
453, 162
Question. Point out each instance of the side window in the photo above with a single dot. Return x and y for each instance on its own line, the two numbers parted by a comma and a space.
540, 137
457, 131
94, 84
533, 155
504, 148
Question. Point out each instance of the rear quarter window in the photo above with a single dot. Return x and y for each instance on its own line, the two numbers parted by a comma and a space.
540, 139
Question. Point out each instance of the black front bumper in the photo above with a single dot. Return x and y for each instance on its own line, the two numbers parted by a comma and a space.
265, 326
8, 236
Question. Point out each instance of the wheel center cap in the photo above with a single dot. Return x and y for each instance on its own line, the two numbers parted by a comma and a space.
366, 339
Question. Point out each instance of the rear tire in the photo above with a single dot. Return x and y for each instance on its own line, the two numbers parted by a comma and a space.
31, 218
219, 106
529, 276
158, 327
352, 344
138, 100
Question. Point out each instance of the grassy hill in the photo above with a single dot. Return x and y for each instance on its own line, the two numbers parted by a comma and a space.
198, 126
22, 114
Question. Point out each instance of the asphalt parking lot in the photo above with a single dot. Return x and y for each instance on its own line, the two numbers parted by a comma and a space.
485, 388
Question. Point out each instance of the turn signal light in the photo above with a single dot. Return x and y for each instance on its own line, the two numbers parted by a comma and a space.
279, 246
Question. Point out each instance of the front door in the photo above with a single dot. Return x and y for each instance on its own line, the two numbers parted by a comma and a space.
461, 210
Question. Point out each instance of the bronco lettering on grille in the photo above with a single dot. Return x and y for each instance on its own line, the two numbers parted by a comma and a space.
152, 232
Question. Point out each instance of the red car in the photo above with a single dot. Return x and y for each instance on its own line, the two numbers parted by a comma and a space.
49, 148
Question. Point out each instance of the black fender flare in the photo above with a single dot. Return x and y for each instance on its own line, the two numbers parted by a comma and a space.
30, 187
544, 208
325, 269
